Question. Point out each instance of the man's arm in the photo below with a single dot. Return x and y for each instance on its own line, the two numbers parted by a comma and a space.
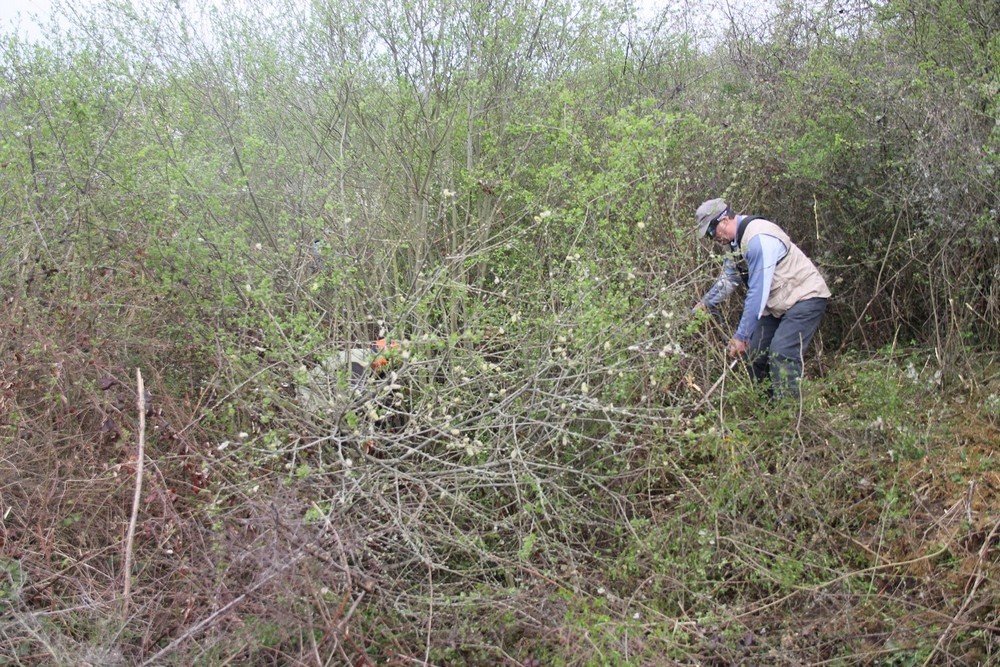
723, 287
763, 254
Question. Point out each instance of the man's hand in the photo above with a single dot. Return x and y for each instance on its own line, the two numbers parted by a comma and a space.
737, 347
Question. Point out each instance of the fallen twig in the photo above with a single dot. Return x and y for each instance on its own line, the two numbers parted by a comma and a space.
711, 390
129, 540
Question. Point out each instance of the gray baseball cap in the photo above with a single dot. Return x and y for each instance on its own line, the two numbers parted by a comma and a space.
707, 212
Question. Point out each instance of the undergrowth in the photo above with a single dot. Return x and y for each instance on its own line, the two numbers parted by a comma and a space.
858, 526
549, 461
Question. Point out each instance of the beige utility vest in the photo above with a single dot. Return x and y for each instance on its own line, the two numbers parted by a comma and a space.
795, 279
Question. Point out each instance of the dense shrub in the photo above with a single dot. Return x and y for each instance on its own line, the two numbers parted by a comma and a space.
556, 465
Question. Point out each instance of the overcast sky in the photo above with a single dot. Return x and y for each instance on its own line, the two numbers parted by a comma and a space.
21, 15
10, 8
24, 16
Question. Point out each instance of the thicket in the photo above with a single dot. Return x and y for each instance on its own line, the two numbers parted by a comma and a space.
558, 466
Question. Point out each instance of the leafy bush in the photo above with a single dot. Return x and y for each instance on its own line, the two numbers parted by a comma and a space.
556, 464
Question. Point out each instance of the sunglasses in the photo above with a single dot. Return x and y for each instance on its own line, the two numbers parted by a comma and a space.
710, 231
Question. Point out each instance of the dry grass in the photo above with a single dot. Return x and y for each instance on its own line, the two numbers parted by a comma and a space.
574, 531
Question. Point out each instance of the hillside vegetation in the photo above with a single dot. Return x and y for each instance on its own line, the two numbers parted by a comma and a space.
556, 465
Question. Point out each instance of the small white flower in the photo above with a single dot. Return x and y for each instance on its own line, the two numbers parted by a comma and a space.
636, 616
244, 435
584, 388
348, 463
447, 194
545, 214
600, 591
641, 226
405, 354
257, 246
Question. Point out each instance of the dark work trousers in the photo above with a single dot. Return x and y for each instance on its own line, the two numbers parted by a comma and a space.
779, 344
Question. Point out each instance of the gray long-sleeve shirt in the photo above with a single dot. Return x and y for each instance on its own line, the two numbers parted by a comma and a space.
727, 282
